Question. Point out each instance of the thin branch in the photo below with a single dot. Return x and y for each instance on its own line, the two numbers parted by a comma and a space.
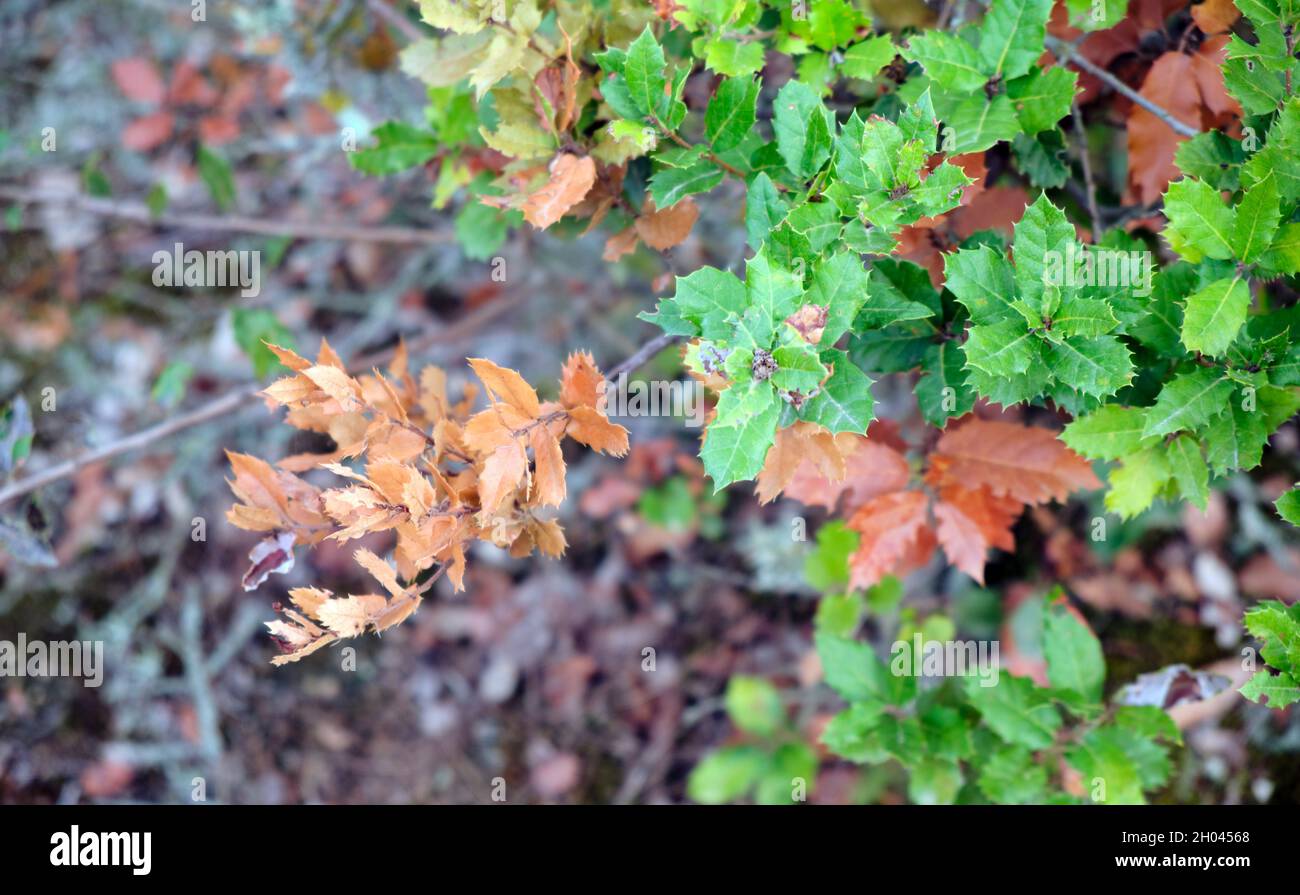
140, 213
1082, 136
1065, 52
642, 355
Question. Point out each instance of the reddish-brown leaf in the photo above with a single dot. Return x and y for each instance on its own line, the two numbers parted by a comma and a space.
570, 179
1025, 463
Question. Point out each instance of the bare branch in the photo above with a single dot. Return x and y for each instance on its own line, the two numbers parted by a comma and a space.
1065, 52
140, 213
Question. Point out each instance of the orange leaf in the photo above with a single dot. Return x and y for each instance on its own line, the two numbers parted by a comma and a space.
892, 532
590, 427
506, 385
570, 179
971, 521
620, 244
548, 478
1215, 16
580, 381
1025, 463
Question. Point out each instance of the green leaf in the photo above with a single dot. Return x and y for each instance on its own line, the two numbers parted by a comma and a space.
252, 328
976, 122
1215, 314
839, 284
644, 71
1108, 433
398, 146
670, 185
1016, 710
1189, 401
853, 671
771, 288
803, 127
1200, 224
1236, 439
1135, 485
1043, 234
866, 58
983, 281
1258, 215
1288, 506
482, 229
739, 437
1073, 654
1110, 775
169, 388
844, 403
1043, 97
732, 58
839, 614
853, 733
827, 565
1010, 777
797, 367
754, 705
951, 62
218, 177
1098, 366
1277, 691
934, 781
1189, 469
1001, 349
764, 210
709, 298
726, 775
1011, 37
730, 115
1042, 158
942, 391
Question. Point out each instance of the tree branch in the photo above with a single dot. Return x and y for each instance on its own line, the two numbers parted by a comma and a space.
1065, 52
140, 213
395, 18
1082, 136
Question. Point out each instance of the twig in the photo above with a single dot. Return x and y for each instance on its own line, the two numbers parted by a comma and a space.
1082, 135
395, 18
140, 213
642, 355
1065, 52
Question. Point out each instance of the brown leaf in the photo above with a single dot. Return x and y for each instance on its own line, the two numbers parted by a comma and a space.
872, 469
809, 321
969, 522
1170, 84
570, 179
271, 555
661, 229
622, 243
1026, 463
